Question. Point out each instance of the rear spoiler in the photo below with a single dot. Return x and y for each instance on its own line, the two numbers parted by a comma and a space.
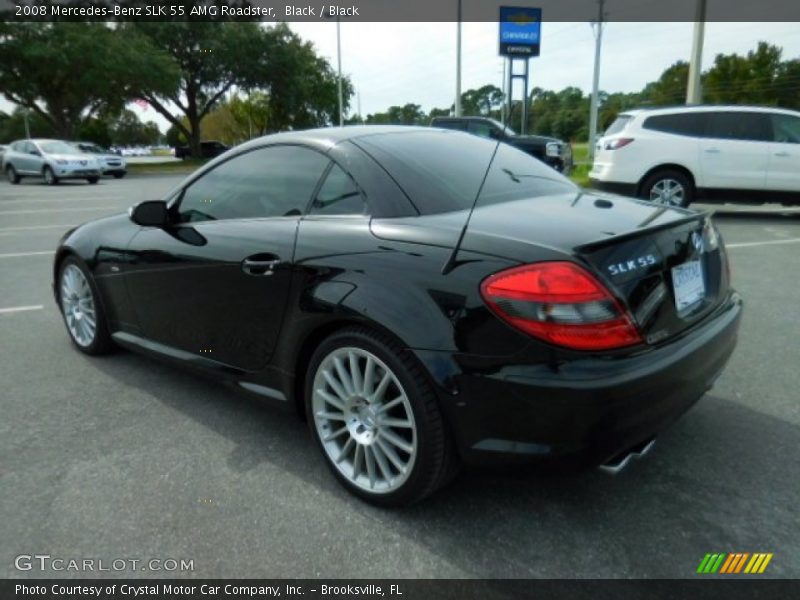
688, 218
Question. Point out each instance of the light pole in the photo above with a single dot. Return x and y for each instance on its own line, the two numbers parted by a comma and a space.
694, 92
598, 43
339, 60
458, 63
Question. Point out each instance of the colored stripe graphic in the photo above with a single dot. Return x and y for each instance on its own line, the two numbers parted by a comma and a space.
703, 563
734, 563
727, 564
740, 564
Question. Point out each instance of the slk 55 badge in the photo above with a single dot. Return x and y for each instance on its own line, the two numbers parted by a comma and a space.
627, 266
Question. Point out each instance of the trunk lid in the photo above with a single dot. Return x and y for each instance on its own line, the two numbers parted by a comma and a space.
666, 265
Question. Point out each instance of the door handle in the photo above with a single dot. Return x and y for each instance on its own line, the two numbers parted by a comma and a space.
782, 154
712, 150
260, 265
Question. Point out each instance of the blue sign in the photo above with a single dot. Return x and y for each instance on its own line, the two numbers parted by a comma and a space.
520, 31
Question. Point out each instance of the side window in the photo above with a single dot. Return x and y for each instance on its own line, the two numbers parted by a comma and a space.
786, 129
276, 181
481, 129
451, 124
338, 195
743, 126
690, 124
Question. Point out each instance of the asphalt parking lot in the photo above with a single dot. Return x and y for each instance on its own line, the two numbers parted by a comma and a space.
120, 457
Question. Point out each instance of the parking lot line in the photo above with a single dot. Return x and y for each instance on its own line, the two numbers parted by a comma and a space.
53, 210
766, 243
14, 309
20, 254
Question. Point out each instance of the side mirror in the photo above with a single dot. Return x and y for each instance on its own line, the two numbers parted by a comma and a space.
151, 213
35, 153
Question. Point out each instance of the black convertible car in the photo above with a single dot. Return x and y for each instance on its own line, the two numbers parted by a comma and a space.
422, 297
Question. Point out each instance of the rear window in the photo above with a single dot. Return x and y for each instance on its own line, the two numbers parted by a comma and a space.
442, 171
619, 124
691, 124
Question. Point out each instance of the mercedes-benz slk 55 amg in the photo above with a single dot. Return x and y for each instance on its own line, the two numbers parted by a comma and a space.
424, 298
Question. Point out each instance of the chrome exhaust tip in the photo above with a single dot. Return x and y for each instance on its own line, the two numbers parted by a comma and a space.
619, 462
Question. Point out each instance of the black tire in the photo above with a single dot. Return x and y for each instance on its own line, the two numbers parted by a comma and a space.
436, 462
102, 343
119, 175
12, 175
648, 188
93, 180
49, 177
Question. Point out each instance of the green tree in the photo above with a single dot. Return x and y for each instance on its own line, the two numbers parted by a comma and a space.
482, 101
12, 127
408, 114
251, 114
214, 57
69, 72
128, 130
302, 87
670, 88
210, 57
750, 79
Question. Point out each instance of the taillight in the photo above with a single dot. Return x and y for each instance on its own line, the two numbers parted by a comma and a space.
561, 303
617, 143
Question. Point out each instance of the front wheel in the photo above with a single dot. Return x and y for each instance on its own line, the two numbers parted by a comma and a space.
376, 419
13, 177
119, 175
49, 177
668, 188
81, 309
93, 180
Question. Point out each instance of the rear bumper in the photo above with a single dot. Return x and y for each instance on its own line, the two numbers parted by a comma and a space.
584, 412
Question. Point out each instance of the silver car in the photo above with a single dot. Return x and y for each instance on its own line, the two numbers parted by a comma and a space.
53, 160
110, 163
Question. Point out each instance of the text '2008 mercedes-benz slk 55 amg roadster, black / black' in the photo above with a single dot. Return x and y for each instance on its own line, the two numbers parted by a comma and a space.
424, 298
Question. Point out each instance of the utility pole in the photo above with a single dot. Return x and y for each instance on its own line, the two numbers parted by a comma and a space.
458, 63
598, 43
694, 92
339, 60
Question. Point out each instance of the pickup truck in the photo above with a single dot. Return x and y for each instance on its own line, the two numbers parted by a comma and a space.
549, 150
209, 149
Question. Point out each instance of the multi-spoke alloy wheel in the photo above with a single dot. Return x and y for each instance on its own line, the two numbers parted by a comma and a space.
668, 187
668, 192
77, 303
364, 419
82, 312
376, 418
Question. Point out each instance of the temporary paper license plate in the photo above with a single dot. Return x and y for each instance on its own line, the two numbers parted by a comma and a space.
687, 280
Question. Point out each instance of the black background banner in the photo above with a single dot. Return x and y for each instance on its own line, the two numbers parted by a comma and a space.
399, 589
415, 10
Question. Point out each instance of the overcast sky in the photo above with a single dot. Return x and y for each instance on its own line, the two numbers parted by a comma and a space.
396, 63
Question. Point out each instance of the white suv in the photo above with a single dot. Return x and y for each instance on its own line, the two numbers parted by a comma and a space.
674, 155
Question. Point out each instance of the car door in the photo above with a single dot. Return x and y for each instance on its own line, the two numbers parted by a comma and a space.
784, 160
29, 159
734, 152
215, 282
